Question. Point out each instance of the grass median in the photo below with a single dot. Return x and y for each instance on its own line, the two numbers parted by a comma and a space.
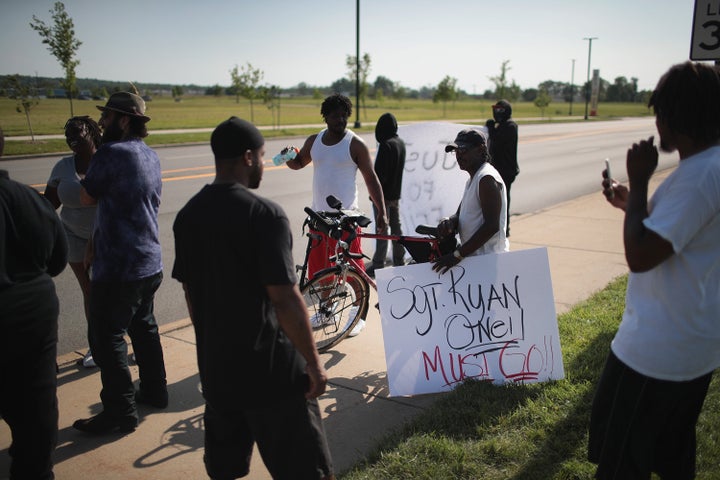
49, 116
533, 432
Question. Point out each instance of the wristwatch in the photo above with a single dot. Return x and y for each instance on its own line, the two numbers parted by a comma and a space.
457, 254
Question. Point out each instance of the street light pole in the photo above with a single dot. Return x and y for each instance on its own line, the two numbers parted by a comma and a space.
357, 64
587, 85
572, 86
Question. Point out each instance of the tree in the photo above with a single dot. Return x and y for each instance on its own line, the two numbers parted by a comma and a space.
530, 94
245, 84
542, 100
271, 98
399, 92
61, 41
216, 90
384, 85
343, 86
178, 92
446, 91
317, 94
622, 90
364, 69
379, 97
501, 81
25, 101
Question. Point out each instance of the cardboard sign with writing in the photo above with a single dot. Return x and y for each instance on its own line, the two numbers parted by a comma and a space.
433, 184
491, 317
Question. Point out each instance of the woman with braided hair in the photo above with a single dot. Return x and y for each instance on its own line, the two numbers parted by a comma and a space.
84, 137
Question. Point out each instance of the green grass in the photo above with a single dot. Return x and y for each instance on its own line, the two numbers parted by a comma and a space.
538, 431
49, 116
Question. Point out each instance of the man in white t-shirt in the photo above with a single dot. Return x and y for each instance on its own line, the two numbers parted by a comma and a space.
658, 371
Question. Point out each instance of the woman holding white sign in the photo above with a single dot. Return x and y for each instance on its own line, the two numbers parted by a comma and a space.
481, 218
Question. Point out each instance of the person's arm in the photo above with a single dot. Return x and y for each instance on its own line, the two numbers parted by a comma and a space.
505, 144
85, 198
383, 166
490, 193
51, 194
187, 300
361, 156
58, 258
51, 188
303, 157
644, 249
293, 319
89, 253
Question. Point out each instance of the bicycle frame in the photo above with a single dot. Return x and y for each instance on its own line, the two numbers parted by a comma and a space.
338, 296
342, 252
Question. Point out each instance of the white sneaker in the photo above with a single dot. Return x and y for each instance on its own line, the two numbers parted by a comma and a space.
320, 319
352, 311
88, 361
359, 326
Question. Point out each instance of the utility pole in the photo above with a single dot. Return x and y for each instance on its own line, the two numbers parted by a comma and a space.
357, 64
572, 86
587, 85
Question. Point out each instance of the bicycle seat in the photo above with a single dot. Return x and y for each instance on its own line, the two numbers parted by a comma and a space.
426, 230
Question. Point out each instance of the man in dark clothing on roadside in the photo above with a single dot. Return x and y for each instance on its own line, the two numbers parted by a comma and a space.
261, 373
125, 181
33, 248
503, 132
389, 165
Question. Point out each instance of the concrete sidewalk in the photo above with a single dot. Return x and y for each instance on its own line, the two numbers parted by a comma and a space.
584, 242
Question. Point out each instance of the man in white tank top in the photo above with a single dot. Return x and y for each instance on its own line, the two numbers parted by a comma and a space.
481, 217
337, 154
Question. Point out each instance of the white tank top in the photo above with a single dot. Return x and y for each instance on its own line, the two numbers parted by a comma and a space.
471, 216
334, 172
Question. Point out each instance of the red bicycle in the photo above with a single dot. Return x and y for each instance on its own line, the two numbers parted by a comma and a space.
337, 297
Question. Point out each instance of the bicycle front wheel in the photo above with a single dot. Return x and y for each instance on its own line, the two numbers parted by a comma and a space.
335, 305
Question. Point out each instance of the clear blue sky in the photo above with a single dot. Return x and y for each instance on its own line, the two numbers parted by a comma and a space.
414, 42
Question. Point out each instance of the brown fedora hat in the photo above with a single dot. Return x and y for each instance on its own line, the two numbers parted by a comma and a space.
126, 103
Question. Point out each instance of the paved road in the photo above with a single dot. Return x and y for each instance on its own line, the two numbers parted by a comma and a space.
558, 162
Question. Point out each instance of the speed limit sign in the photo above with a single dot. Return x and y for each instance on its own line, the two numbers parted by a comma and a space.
706, 31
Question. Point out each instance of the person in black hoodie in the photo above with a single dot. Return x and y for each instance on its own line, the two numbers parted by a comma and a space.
389, 165
503, 132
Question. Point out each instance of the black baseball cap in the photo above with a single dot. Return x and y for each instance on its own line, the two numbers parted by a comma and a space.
234, 137
465, 139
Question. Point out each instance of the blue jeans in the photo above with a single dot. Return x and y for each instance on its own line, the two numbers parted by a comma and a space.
117, 308
381, 246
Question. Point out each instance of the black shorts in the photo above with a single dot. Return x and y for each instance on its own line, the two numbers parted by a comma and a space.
289, 435
640, 425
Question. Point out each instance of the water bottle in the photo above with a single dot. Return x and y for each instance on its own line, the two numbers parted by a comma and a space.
287, 153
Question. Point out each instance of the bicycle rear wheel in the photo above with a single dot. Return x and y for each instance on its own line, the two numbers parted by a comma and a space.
335, 306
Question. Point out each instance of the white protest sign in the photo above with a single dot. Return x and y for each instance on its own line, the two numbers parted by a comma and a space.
433, 183
491, 317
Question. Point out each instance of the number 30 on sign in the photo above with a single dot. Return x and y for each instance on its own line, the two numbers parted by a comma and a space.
705, 44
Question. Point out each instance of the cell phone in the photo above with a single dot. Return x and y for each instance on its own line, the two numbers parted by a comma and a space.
609, 177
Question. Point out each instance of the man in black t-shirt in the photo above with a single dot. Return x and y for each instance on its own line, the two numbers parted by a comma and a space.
259, 367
